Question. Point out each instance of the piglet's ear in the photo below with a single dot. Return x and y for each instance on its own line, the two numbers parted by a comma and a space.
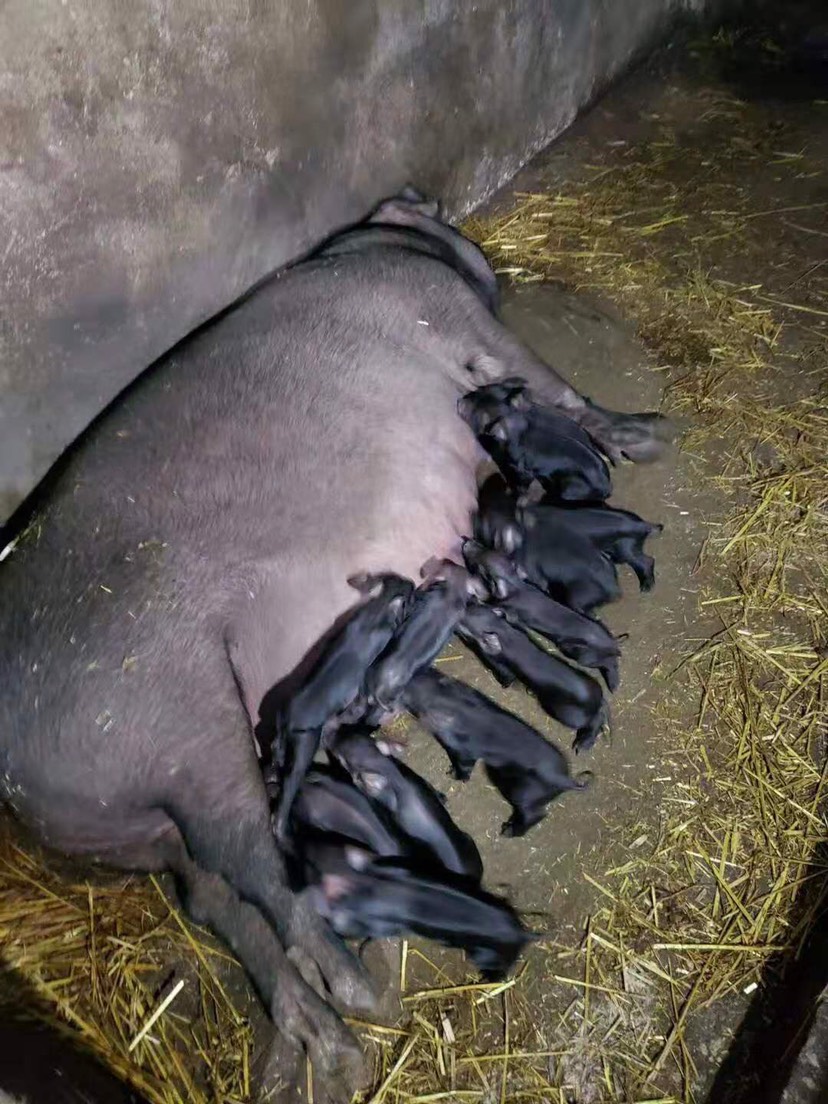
335, 886
500, 588
405, 212
511, 539
532, 495
392, 746
373, 783
357, 858
317, 899
396, 606
431, 568
411, 194
476, 588
415, 198
363, 582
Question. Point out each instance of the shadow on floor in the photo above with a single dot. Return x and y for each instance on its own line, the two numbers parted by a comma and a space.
770, 50
761, 1059
41, 1065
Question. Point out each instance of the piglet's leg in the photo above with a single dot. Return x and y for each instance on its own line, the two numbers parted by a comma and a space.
300, 750
461, 768
588, 733
630, 550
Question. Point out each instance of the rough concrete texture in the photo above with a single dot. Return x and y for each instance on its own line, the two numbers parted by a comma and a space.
156, 159
809, 1077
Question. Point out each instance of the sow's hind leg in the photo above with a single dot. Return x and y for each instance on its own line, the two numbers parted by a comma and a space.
234, 879
303, 1017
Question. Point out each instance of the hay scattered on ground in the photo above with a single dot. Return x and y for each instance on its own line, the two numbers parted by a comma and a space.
100, 962
721, 882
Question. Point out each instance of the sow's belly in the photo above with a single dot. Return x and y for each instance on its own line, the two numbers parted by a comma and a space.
390, 499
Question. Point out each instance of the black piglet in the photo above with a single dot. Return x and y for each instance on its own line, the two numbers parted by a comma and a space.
526, 769
568, 695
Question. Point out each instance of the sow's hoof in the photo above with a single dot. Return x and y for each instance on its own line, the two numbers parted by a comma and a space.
347, 980
637, 437
281, 1076
306, 1022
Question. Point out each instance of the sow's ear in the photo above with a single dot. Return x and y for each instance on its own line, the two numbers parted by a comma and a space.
399, 209
424, 205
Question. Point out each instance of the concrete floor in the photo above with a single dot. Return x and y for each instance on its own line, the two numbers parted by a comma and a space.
547, 873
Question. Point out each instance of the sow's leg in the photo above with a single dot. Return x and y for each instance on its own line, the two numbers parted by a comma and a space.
301, 1014
638, 437
217, 800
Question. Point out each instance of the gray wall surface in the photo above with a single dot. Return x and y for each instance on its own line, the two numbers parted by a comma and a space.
157, 157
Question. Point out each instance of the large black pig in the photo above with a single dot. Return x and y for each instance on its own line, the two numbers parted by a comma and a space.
183, 563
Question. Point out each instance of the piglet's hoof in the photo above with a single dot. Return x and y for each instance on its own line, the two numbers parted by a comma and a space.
346, 978
392, 745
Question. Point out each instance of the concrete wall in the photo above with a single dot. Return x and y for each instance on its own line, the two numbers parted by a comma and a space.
156, 157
